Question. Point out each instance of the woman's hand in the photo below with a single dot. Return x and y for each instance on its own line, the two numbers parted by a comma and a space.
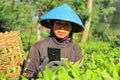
51, 65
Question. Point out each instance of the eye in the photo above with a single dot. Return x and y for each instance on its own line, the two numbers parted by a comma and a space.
58, 23
67, 24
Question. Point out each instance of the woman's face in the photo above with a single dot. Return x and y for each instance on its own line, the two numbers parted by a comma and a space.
61, 28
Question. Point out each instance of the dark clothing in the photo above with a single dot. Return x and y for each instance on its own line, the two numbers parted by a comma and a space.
38, 53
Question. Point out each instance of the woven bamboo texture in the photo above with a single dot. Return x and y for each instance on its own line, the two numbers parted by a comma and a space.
11, 54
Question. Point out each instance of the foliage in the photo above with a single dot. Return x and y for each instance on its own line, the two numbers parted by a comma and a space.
2, 77
108, 71
99, 63
28, 36
98, 57
14, 14
102, 8
18, 14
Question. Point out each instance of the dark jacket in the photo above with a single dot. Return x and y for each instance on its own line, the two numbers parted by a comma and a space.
38, 53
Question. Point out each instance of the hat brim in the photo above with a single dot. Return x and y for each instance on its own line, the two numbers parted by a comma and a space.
76, 27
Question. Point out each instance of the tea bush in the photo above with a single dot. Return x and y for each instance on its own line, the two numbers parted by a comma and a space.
98, 61
106, 72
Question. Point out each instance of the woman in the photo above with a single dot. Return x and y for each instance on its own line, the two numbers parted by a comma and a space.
63, 22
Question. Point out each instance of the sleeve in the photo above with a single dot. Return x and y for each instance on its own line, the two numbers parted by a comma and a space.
32, 64
78, 53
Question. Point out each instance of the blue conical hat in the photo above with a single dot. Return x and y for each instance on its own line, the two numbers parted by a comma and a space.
63, 12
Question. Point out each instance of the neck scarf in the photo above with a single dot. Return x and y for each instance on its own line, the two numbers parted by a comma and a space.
61, 41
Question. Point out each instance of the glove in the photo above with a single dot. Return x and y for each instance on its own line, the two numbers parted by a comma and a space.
43, 65
60, 63
51, 65
54, 64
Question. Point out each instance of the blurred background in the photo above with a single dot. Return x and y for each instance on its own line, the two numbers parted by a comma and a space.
24, 15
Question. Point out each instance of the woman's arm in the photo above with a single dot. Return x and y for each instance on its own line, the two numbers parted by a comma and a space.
32, 64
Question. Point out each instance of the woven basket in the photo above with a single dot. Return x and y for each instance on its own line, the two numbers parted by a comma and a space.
11, 54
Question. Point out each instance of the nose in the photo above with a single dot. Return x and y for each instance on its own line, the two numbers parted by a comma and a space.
62, 27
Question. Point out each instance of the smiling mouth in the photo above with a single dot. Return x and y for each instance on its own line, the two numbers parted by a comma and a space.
60, 32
